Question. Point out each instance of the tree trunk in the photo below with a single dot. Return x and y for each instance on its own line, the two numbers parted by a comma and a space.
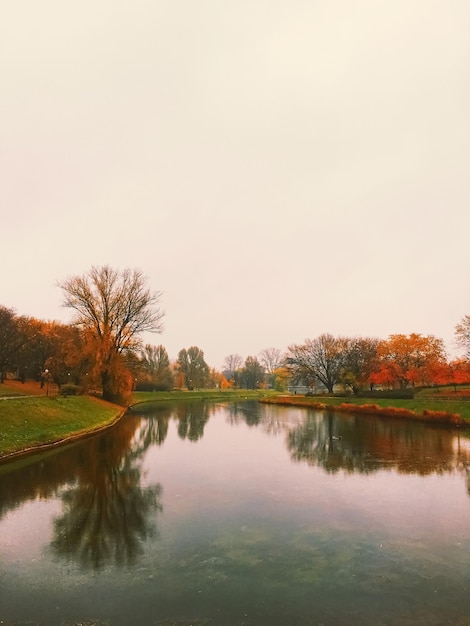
107, 391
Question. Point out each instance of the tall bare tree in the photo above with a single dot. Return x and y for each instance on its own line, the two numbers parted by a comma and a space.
232, 363
317, 359
271, 359
114, 308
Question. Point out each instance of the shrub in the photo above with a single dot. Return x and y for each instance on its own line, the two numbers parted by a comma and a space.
148, 385
70, 390
388, 394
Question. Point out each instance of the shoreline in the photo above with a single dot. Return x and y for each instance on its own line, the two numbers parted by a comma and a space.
428, 416
44, 447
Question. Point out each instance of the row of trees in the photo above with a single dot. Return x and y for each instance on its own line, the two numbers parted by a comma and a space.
357, 363
363, 362
102, 348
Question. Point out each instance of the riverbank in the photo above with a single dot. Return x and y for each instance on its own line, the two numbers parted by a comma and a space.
36, 421
32, 419
141, 397
32, 423
428, 409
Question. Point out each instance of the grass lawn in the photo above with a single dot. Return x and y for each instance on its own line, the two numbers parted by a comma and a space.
418, 404
28, 422
35, 419
203, 394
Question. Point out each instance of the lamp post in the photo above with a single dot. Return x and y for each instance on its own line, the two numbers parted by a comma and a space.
46, 372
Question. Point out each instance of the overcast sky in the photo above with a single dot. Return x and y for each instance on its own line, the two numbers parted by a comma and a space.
279, 169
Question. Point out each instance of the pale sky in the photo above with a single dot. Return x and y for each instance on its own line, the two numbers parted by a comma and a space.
279, 169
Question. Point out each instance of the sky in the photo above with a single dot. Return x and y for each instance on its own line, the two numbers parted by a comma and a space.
278, 170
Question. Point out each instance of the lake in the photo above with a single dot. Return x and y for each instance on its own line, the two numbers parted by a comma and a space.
231, 514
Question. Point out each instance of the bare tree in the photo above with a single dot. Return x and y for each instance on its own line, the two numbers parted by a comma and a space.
114, 308
271, 359
232, 363
317, 359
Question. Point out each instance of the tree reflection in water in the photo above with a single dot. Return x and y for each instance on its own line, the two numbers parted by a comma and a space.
192, 418
107, 513
243, 412
365, 444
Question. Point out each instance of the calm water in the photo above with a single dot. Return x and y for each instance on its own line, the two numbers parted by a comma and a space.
240, 514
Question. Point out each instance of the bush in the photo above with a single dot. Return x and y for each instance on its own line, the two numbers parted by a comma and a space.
148, 385
388, 394
70, 390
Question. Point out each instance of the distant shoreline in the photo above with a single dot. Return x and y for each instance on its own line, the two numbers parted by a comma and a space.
398, 409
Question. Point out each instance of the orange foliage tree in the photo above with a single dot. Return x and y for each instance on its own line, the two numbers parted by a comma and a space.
114, 308
409, 359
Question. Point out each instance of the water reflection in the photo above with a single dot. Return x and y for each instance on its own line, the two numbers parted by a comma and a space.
107, 513
365, 444
271, 516
192, 418
244, 412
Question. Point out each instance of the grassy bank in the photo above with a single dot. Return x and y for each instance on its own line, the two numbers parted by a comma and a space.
31, 421
425, 408
34, 421
203, 394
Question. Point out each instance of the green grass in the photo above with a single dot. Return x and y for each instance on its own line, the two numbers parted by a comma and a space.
418, 404
445, 390
33, 421
28, 422
203, 394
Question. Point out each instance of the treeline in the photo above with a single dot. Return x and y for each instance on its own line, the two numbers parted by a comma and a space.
358, 363
101, 349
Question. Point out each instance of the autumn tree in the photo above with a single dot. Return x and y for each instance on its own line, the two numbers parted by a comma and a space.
10, 341
215, 379
194, 368
281, 377
37, 343
319, 359
408, 358
454, 373
360, 359
66, 361
113, 308
36, 346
